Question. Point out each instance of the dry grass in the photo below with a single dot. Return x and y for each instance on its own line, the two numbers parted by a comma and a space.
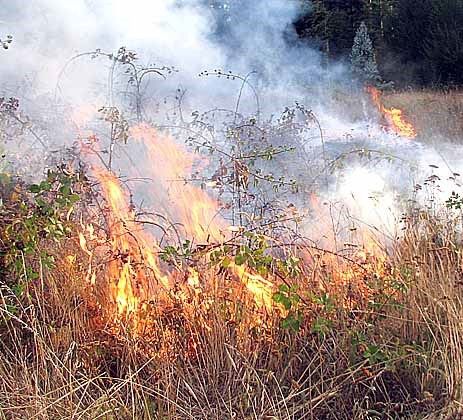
203, 362
218, 356
437, 115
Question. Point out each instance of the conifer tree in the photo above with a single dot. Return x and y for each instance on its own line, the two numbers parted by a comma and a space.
362, 57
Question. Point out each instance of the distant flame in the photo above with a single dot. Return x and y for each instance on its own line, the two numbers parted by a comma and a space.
395, 119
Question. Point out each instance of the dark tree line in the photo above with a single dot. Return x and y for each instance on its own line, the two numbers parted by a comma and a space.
417, 42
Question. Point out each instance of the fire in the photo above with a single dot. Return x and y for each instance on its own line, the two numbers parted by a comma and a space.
170, 165
395, 119
133, 271
261, 289
399, 123
135, 279
199, 214
134, 274
347, 260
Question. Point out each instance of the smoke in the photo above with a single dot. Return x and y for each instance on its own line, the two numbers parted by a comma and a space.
58, 86
258, 37
48, 33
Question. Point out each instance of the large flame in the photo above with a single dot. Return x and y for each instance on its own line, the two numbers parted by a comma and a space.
135, 278
133, 270
134, 273
170, 166
395, 119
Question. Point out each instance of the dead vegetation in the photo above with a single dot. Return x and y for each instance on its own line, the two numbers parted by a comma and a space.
437, 115
213, 353
111, 311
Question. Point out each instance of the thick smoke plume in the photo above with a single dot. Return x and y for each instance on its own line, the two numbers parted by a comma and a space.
61, 87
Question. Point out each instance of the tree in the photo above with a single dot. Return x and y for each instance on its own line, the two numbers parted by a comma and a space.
409, 27
362, 57
443, 47
314, 24
331, 22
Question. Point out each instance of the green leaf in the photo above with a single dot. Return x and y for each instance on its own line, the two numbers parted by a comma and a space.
18, 289
322, 326
282, 299
12, 309
213, 256
374, 354
74, 198
226, 262
34, 188
65, 190
45, 186
284, 288
291, 323
262, 270
295, 298
240, 259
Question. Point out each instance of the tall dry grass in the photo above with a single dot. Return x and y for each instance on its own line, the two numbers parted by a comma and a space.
207, 362
217, 356
437, 115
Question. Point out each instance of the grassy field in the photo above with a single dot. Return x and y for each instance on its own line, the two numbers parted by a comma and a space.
371, 334
436, 115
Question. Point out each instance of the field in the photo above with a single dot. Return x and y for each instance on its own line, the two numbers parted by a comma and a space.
438, 115
254, 324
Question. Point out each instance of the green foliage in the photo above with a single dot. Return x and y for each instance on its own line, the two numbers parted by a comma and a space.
363, 349
374, 354
332, 23
288, 297
428, 37
322, 326
443, 45
29, 218
455, 201
255, 254
292, 321
419, 41
289, 267
174, 254
325, 302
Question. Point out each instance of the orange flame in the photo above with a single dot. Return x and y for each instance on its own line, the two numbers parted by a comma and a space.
134, 273
131, 248
395, 119
260, 288
170, 165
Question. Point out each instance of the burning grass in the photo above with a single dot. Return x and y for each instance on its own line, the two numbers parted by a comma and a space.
191, 288
103, 318
438, 115
394, 118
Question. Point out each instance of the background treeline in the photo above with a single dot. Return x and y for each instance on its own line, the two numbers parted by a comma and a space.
417, 42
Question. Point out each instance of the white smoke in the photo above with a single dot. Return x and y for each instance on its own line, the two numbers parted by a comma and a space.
39, 69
